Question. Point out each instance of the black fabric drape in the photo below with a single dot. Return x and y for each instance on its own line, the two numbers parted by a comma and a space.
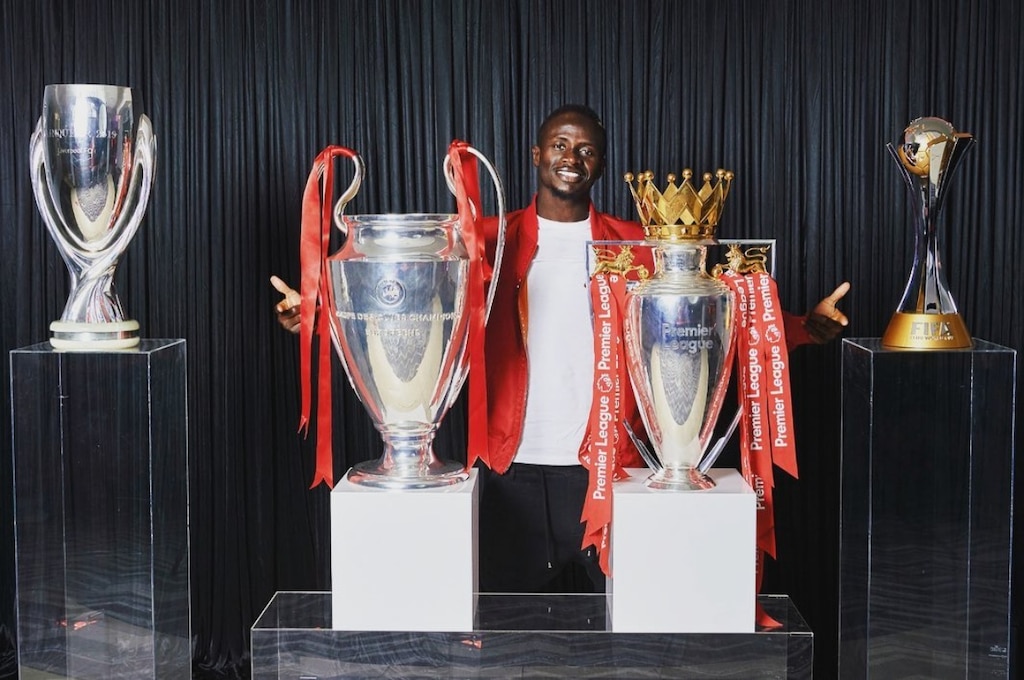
797, 97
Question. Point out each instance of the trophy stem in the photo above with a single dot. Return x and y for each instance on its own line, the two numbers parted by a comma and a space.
408, 463
680, 479
927, 317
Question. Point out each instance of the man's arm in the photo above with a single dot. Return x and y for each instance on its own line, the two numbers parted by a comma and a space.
822, 324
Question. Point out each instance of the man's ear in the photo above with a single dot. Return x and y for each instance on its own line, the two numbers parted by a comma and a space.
535, 154
600, 169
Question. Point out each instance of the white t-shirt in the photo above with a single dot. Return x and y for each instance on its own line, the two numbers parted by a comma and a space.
559, 346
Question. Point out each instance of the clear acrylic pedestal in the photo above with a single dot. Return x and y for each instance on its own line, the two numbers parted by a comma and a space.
927, 506
101, 512
550, 636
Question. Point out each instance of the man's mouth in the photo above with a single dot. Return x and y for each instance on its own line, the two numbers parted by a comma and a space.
569, 175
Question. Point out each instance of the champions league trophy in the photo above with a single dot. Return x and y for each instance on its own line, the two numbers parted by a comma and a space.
400, 322
679, 326
927, 317
92, 170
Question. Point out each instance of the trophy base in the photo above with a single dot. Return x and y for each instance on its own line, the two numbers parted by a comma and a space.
926, 331
378, 474
94, 337
679, 479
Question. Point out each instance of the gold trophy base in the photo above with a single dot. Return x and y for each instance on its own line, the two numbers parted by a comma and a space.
926, 331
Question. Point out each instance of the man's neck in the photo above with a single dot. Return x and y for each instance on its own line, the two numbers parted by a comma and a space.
560, 210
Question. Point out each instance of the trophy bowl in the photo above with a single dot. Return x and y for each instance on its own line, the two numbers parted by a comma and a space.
92, 169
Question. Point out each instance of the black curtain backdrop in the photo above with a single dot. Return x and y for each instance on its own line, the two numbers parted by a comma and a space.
797, 97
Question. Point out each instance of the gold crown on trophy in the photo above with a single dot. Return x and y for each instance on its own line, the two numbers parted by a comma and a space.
681, 212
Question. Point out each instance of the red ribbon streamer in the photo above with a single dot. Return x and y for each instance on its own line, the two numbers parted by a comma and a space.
467, 197
317, 202
766, 434
607, 292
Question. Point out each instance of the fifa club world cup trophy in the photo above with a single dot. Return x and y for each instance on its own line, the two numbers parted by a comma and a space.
927, 317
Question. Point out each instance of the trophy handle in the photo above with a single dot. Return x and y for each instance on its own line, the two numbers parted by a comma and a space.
44, 200
143, 169
716, 450
350, 193
500, 194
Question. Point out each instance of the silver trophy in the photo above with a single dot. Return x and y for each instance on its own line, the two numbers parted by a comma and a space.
679, 328
400, 322
92, 166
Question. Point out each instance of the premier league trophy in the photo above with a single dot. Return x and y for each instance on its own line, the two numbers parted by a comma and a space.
92, 170
401, 324
679, 326
927, 317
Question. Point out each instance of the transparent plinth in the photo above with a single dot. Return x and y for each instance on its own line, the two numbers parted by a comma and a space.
535, 635
101, 512
927, 505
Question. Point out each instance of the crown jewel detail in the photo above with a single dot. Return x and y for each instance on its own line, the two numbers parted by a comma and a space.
681, 212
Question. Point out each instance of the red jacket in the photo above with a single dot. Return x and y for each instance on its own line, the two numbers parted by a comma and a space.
506, 334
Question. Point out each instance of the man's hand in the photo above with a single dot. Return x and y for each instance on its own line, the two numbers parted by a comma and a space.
288, 308
825, 322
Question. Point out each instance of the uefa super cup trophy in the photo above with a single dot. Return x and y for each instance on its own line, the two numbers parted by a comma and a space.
401, 324
926, 317
679, 326
92, 170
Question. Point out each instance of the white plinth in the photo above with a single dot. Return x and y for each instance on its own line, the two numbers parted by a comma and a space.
683, 562
404, 560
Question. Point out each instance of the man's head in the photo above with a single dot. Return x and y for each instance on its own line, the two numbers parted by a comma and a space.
569, 155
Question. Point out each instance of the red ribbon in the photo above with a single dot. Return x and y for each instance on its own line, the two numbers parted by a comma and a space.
607, 293
766, 433
467, 197
317, 202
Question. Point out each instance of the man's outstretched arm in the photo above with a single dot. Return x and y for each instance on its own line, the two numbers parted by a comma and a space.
822, 324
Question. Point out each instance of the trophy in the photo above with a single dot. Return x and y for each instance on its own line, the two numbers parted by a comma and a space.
400, 321
679, 326
92, 170
927, 317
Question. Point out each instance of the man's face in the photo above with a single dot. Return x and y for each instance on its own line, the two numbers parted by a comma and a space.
568, 156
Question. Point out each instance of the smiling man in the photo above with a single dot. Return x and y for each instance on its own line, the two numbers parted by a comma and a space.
540, 368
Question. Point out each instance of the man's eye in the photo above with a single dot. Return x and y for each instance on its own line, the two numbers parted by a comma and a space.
560, 145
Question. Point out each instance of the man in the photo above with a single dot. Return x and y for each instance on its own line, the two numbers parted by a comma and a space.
539, 347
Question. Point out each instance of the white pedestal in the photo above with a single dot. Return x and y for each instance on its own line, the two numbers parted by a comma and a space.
404, 560
683, 562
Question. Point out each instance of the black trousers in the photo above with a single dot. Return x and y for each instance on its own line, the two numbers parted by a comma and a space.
530, 531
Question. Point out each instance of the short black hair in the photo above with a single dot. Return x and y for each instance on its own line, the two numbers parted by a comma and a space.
581, 110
